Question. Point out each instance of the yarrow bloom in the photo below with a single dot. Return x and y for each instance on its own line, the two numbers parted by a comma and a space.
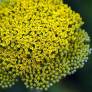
41, 41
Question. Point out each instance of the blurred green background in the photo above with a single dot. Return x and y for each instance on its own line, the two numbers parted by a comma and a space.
81, 81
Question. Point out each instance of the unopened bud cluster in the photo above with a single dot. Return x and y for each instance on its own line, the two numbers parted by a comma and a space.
41, 41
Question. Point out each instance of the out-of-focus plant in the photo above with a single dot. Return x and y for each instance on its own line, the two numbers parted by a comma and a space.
41, 41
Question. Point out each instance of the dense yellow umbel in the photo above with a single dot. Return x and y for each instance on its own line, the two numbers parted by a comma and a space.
41, 41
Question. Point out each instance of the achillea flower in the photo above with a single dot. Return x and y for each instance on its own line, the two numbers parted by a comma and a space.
41, 41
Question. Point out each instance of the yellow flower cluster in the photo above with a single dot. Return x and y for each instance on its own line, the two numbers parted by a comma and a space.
41, 41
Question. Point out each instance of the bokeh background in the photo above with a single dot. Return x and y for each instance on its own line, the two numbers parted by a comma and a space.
81, 81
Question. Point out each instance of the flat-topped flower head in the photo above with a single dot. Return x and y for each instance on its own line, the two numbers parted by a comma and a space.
41, 41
